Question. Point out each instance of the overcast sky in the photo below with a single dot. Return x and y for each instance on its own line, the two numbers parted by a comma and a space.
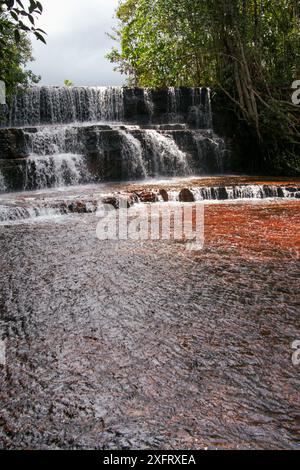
76, 43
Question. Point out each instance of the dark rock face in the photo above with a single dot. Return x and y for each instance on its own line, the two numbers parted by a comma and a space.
120, 201
164, 194
186, 195
12, 144
111, 154
147, 196
78, 207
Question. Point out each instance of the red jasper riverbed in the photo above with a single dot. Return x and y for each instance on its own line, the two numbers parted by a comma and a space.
148, 345
255, 230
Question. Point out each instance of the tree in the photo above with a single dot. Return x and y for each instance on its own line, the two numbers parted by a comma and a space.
13, 59
15, 45
68, 83
248, 51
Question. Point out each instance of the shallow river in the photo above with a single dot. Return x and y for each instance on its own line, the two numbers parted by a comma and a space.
146, 344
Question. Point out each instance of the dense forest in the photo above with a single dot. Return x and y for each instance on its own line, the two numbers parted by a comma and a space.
248, 52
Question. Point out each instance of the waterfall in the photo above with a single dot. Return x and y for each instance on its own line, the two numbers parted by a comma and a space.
14, 209
208, 106
55, 171
151, 153
11, 213
174, 101
233, 193
132, 156
60, 105
45, 105
201, 109
3, 186
149, 102
71, 135
244, 192
208, 144
167, 158
49, 140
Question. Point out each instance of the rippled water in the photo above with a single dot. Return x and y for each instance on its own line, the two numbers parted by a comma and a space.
147, 345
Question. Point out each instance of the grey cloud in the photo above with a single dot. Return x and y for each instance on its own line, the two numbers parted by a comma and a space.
79, 53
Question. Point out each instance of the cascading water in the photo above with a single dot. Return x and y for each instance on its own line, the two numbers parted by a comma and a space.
241, 192
72, 135
174, 101
167, 160
55, 171
231, 193
201, 109
133, 156
60, 105
149, 102
209, 144
14, 214
34, 206
3, 186
50, 140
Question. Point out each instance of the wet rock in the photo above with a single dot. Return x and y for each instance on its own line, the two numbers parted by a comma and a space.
121, 200
111, 201
12, 144
128, 199
147, 196
78, 207
164, 194
186, 195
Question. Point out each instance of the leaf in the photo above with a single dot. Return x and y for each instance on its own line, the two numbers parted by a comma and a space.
17, 36
39, 6
10, 4
31, 19
14, 15
40, 37
23, 26
41, 31
32, 6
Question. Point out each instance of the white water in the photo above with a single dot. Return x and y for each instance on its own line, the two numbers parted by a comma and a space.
50, 140
168, 158
67, 104
49, 204
55, 170
13, 214
57, 144
224, 193
133, 155
148, 101
209, 143
203, 113
174, 100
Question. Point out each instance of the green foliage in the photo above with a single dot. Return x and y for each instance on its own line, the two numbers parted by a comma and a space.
22, 18
15, 45
248, 49
68, 83
188, 41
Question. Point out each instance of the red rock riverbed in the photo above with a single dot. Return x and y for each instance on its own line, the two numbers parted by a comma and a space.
133, 345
